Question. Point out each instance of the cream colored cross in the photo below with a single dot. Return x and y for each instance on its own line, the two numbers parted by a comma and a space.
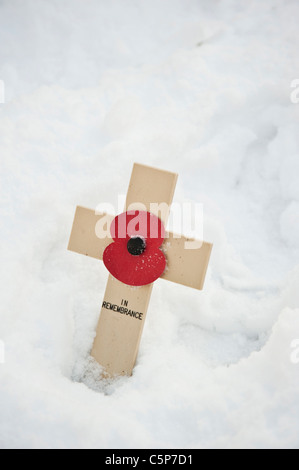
118, 334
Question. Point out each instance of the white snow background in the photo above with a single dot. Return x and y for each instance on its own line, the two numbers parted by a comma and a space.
198, 87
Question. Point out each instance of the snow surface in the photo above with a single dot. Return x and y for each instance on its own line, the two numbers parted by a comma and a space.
196, 87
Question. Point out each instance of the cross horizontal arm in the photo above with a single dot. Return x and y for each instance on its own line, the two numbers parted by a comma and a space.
184, 266
84, 237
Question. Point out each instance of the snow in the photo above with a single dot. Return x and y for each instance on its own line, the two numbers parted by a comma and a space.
199, 88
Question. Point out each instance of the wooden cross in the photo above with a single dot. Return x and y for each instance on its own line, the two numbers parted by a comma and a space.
118, 333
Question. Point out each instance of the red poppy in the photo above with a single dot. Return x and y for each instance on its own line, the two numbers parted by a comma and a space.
134, 257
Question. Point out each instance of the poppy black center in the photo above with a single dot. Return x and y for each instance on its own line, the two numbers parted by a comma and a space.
136, 246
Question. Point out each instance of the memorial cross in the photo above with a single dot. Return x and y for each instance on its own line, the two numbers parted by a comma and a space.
125, 306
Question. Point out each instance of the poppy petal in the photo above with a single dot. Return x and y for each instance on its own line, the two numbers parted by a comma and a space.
134, 270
